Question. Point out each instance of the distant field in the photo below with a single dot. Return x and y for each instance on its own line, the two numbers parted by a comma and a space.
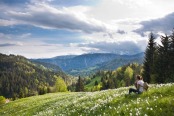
158, 101
92, 83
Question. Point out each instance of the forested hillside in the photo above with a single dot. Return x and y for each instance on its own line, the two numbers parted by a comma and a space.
120, 77
21, 78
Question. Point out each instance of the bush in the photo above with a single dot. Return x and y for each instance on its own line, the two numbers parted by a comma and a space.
60, 85
2, 100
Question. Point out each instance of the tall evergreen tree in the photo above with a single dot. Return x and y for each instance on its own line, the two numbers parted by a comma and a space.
171, 54
148, 64
110, 84
104, 83
79, 85
163, 60
96, 83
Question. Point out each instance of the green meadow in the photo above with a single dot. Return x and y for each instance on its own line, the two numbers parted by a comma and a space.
157, 101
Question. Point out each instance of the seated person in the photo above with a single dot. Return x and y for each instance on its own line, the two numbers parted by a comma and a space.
138, 84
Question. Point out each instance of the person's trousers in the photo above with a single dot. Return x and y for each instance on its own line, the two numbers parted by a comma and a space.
134, 90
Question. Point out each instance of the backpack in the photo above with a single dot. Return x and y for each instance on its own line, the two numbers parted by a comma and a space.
145, 86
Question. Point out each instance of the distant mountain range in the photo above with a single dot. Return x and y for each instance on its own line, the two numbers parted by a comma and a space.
88, 63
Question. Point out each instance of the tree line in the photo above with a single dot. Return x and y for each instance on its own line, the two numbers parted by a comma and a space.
159, 60
121, 77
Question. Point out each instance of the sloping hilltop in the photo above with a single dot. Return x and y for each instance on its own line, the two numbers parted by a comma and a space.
158, 101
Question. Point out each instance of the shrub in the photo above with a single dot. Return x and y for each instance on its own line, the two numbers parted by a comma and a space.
2, 100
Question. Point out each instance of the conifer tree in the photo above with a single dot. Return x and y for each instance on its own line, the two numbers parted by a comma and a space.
163, 60
110, 84
96, 83
171, 54
148, 64
79, 85
104, 83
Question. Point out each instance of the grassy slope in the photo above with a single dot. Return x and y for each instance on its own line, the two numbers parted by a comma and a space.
157, 101
92, 83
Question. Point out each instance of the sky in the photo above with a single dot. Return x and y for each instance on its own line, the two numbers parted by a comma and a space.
49, 28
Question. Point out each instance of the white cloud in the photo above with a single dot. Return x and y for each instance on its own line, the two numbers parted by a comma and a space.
132, 9
13, 37
9, 41
106, 27
6, 44
46, 16
119, 47
34, 48
7, 22
11, 44
165, 25
134, 3
25, 35
38, 49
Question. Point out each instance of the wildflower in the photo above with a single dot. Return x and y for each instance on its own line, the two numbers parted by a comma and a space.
147, 102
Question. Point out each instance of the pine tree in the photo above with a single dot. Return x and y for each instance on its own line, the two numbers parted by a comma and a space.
104, 83
148, 64
163, 60
96, 83
79, 85
171, 57
110, 84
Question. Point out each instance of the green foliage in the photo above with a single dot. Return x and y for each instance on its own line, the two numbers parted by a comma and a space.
121, 77
163, 66
91, 82
60, 85
128, 74
79, 85
96, 82
158, 64
20, 77
149, 60
2, 100
96, 87
157, 101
